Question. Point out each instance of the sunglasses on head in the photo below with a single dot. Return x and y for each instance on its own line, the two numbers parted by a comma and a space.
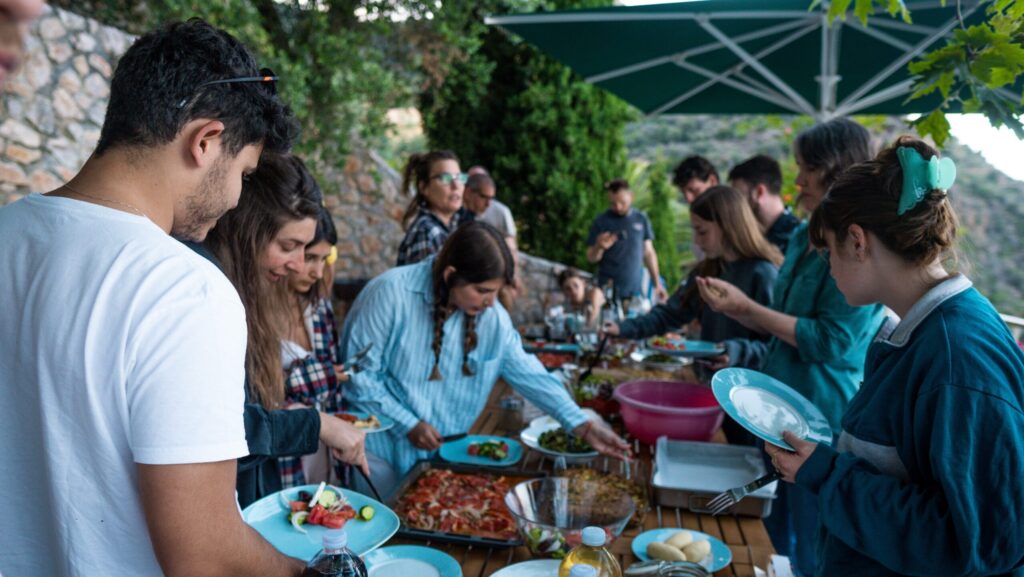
266, 77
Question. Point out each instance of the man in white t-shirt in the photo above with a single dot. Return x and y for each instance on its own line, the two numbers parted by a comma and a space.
122, 353
480, 200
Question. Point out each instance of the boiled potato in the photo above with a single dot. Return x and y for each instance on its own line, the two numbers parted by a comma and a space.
680, 539
697, 551
664, 552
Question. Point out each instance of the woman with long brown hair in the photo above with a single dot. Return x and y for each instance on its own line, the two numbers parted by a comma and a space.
258, 245
736, 251
436, 209
440, 343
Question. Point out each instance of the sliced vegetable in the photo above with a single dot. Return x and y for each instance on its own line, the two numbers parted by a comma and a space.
366, 513
328, 498
316, 496
297, 518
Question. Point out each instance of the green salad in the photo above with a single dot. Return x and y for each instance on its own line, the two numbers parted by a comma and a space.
557, 440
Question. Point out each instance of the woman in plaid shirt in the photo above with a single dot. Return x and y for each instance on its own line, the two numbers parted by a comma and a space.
309, 354
436, 210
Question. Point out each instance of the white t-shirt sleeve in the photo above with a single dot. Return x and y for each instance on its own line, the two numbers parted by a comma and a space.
510, 223
185, 387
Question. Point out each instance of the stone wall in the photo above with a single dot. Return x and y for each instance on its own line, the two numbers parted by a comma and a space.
53, 109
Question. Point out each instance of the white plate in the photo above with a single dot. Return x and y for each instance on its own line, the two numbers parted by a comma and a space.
531, 438
535, 568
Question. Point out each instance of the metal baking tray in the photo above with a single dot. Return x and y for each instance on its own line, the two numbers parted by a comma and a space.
688, 475
439, 536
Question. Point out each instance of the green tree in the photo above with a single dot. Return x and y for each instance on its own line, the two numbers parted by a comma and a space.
976, 71
549, 139
663, 220
342, 63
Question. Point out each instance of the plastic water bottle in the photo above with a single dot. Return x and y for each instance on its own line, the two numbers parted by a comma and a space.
335, 558
591, 552
583, 571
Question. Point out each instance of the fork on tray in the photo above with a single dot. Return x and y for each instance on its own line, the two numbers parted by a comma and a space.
726, 499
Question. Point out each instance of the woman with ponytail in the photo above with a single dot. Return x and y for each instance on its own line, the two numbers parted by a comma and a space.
436, 209
440, 341
925, 478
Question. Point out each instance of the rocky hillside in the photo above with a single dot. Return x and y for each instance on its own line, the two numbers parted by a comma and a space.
989, 203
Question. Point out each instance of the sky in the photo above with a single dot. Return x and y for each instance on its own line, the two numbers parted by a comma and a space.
1001, 148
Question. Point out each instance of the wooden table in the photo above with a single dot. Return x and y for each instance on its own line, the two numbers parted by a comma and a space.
745, 536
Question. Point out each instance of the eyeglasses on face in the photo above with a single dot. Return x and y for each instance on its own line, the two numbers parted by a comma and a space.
446, 178
266, 77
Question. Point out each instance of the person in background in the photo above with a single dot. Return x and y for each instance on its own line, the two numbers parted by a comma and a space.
260, 245
735, 251
935, 436
436, 209
581, 296
622, 242
760, 180
14, 17
440, 342
818, 340
693, 175
479, 200
488, 208
123, 377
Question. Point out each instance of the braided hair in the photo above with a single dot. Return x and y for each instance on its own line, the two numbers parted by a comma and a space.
478, 253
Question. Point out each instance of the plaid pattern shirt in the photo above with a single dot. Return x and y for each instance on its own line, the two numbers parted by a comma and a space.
427, 234
312, 380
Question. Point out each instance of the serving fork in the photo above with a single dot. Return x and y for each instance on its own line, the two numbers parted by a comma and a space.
666, 569
727, 499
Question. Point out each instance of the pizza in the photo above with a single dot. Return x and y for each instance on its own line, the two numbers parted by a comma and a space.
459, 503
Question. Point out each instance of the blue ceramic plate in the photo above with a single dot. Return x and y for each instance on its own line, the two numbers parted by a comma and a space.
269, 516
718, 559
694, 349
458, 451
411, 560
551, 348
766, 407
385, 422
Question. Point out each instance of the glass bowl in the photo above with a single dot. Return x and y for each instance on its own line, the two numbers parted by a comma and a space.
552, 512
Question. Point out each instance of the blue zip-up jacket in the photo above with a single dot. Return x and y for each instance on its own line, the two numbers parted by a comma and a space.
928, 475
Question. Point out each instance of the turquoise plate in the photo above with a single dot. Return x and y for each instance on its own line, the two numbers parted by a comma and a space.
458, 451
385, 422
766, 407
695, 349
269, 516
409, 561
718, 559
551, 348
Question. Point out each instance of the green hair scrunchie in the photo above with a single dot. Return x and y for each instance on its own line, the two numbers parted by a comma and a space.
922, 176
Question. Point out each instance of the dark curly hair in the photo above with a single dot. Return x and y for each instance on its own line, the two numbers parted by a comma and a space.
868, 195
156, 91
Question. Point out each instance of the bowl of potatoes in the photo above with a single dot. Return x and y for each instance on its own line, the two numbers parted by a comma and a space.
682, 545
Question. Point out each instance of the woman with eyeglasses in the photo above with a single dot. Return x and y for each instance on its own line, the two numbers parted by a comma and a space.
440, 342
436, 209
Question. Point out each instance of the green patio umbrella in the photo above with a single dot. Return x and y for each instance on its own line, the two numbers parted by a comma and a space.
745, 56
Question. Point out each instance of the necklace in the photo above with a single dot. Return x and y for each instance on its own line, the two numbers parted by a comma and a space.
107, 200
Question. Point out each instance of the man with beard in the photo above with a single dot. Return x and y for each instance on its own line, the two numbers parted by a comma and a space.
122, 376
14, 14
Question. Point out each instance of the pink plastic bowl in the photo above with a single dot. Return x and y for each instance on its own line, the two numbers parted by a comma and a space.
678, 410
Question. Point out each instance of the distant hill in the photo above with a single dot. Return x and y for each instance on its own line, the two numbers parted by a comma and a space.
989, 203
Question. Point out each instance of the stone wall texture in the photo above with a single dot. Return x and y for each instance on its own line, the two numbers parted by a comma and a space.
50, 118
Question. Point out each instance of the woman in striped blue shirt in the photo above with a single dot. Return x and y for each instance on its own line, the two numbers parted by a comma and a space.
440, 341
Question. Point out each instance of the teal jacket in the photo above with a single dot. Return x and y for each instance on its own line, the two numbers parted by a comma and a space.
926, 478
833, 337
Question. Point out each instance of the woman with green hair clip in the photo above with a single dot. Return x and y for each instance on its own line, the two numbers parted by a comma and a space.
925, 478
